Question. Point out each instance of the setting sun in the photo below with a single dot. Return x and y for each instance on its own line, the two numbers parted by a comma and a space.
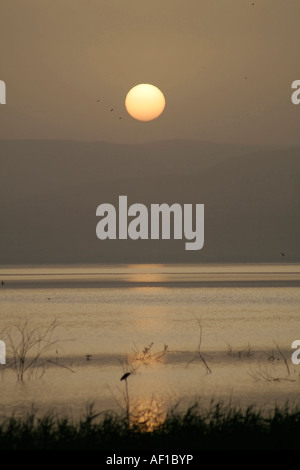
145, 102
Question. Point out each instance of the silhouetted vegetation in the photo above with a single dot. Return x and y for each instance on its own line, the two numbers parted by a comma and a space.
217, 429
27, 346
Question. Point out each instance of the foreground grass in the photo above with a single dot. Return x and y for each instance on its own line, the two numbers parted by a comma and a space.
218, 429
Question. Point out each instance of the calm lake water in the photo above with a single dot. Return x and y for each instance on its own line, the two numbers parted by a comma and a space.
112, 313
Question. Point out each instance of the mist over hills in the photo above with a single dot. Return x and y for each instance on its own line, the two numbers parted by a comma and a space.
49, 192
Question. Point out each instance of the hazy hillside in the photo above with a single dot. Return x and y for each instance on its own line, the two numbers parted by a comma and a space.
49, 192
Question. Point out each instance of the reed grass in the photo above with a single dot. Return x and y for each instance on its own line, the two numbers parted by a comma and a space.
219, 428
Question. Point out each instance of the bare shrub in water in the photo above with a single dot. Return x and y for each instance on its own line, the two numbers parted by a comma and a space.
147, 355
27, 346
264, 374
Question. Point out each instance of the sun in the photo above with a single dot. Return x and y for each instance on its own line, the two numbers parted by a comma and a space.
145, 102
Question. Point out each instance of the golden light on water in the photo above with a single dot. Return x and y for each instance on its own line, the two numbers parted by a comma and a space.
148, 416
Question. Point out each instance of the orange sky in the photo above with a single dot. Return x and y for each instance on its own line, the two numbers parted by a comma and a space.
225, 68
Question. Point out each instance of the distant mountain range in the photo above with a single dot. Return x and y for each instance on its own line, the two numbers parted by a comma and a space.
49, 192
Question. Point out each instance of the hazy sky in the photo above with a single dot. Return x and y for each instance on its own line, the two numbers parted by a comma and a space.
58, 57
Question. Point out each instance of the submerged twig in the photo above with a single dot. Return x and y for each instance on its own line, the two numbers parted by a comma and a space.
284, 359
198, 350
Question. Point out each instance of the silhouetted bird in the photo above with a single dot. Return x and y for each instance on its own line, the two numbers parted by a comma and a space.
282, 254
111, 110
120, 118
2, 283
124, 377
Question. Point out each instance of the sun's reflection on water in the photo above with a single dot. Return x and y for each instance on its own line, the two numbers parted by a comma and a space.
148, 416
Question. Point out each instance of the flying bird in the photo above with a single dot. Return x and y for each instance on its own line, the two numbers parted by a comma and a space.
282, 254
124, 377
